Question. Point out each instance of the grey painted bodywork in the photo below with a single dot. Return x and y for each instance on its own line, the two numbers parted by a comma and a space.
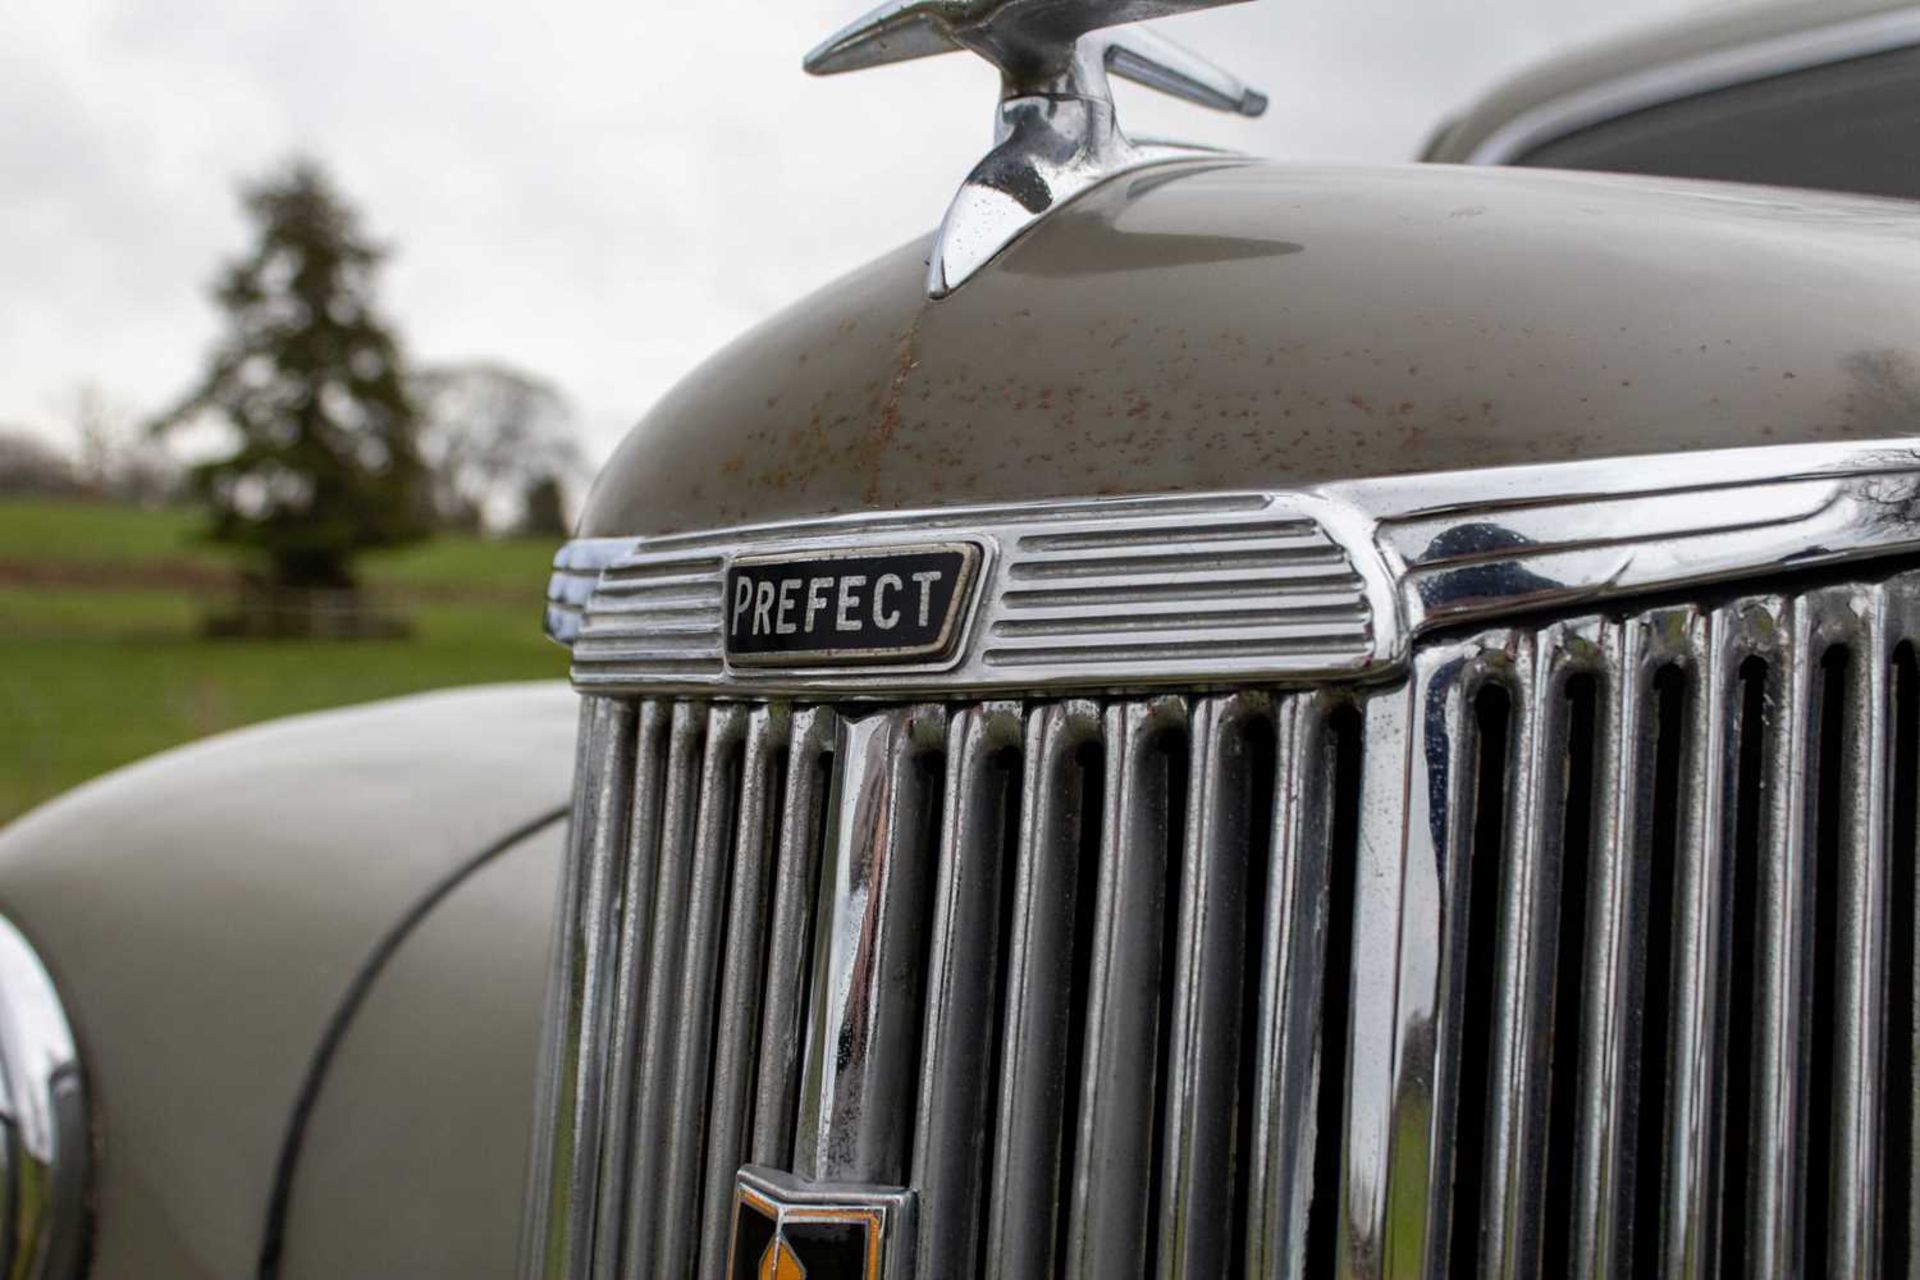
1263, 326
415, 1162
202, 914
1696, 36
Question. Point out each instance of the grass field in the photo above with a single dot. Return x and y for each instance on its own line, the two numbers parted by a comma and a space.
102, 661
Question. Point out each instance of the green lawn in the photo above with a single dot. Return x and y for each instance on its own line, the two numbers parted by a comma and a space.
97, 535
52, 530
107, 668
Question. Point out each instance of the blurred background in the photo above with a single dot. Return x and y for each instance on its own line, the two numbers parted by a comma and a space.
316, 318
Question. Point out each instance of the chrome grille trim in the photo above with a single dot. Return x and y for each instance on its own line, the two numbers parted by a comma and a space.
1514, 1176
907, 1007
790, 938
1411, 830
1195, 1230
731, 801
950, 1142
1861, 939
576, 573
584, 971
653, 738
1777, 1162
1289, 1049
632, 1233
1034, 1134
1224, 590
763, 797
857, 1086
1609, 1034
1200, 586
1711, 652
1111, 1200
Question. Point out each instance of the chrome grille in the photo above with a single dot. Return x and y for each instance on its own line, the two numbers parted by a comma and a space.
1569, 953
684, 917
1219, 587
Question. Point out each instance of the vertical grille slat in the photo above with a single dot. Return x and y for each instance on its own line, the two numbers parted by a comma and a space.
1702, 884
589, 903
863, 1041
1623, 1068
1375, 1044
1580, 796
1669, 694
1465, 894
958, 1060
1293, 1063
1902, 1213
652, 1086
743, 943
1224, 837
1832, 724
1858, 619
1753, 822
1408, 964
1333, 1062
789, 940
722, 782
1034, 1122
1514, 1167
1776, 1161
1477, 985
1578, 948
1114, 1158
635, 929
1606, 1032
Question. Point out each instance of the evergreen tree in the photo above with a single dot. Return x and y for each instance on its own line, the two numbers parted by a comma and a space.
310, 380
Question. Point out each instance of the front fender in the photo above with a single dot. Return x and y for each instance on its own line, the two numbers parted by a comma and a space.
202, 914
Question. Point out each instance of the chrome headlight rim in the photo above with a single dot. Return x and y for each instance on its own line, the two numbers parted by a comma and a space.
44, 1121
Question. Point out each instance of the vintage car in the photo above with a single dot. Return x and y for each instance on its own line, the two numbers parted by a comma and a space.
1823, 95
1209, 719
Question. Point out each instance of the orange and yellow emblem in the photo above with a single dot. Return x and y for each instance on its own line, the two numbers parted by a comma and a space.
780, 1263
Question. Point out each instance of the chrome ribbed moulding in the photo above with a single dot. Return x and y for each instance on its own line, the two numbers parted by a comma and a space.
1585, 948
1201, 588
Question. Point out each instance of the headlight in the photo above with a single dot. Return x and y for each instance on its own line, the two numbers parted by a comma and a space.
43, 1118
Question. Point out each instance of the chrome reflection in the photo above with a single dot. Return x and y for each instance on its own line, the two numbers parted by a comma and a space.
1056, 135
1247, 588
45, 1121
857, 1087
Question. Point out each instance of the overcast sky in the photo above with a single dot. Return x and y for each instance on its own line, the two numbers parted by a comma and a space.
599, 191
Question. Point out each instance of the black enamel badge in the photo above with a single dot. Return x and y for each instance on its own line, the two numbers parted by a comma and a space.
884, 605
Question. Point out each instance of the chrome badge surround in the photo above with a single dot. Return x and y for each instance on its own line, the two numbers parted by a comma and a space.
1213, 589
938, 649
786, 1207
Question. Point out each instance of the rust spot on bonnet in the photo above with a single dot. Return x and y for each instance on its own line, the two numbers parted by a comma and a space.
886, 424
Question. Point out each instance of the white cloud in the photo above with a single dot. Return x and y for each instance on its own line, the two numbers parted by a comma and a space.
601, 191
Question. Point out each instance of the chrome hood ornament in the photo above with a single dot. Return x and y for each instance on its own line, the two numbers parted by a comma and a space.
1056, 134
